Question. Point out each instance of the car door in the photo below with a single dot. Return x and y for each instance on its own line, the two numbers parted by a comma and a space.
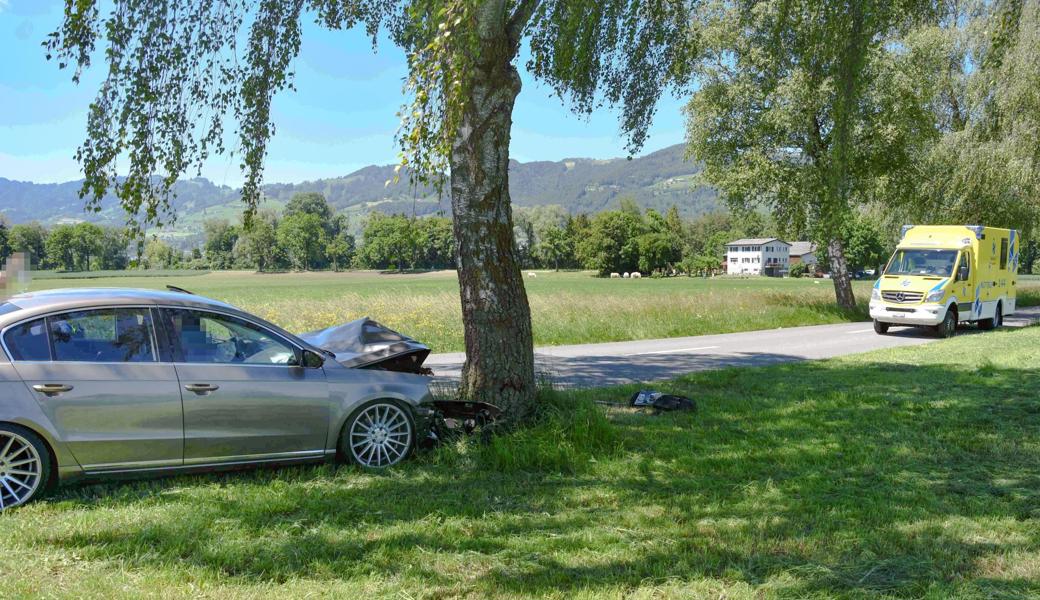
964, 288
244, 396
100, 379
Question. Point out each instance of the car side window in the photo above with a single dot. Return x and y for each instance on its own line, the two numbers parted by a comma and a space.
28, 341
206, 337
104, 335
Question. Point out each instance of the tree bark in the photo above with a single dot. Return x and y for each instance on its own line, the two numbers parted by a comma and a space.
840, 274
496, 316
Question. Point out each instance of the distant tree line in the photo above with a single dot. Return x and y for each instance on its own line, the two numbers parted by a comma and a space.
626, 239
67, 247
308, 235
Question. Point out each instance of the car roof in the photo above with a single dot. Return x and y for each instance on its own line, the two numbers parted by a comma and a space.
72, 298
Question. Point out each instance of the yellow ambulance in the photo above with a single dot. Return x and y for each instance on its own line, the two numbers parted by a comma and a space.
941, 275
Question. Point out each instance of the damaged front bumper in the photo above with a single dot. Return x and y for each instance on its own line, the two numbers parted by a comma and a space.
451, 419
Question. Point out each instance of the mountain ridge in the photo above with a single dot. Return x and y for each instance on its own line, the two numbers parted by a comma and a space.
656, 180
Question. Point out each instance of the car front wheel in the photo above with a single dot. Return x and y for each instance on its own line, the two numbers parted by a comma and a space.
948, 327
24, 466
380, 434
880, 328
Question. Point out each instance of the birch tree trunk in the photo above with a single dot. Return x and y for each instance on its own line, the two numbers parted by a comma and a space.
840, 274
496, 316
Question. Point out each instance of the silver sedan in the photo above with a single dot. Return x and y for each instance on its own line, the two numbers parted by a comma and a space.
102, 382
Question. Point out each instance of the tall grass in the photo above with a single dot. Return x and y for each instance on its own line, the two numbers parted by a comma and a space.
569, 434
566, 308
565, 317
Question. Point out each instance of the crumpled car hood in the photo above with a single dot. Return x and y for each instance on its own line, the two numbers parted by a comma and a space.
364, 343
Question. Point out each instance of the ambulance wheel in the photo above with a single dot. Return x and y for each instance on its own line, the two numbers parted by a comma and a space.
880, 328
948, 327
995, 322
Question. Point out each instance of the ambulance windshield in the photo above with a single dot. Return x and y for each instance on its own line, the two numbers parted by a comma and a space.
934, 263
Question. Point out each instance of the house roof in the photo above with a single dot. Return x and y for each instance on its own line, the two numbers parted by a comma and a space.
802, 248
755, 241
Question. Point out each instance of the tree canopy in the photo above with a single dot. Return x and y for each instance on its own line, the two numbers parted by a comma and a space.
811, 108
189, 79
986, 166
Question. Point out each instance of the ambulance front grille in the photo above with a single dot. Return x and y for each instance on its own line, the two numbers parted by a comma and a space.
902, 297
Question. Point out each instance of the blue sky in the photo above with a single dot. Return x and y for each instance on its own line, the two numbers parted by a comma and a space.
341, 119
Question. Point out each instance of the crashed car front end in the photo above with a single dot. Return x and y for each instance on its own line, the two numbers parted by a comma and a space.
367, 344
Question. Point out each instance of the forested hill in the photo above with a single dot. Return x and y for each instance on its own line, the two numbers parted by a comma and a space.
656, 180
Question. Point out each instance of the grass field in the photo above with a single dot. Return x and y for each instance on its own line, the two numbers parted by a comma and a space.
910, 473
567, 308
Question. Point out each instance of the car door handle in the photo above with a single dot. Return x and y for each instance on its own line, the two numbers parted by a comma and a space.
201, 388
52, 389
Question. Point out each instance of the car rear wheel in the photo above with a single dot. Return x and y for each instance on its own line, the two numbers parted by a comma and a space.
380, 434
995, 322
24, 466
880, 328
948, 326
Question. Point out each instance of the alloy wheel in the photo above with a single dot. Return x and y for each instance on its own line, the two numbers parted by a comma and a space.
21, 470
380, 436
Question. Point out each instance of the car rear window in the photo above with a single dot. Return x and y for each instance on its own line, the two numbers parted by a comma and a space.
8, 307
107, 335
28, 341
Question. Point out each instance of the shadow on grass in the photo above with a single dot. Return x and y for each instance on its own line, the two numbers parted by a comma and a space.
817, 479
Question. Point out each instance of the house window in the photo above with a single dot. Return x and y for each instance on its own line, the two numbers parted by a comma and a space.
733, 259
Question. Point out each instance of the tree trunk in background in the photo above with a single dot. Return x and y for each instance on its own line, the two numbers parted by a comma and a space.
840, 274
495, 314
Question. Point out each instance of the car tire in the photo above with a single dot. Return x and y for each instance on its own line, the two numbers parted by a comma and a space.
880, 328
379, 434
948, 327
25, 466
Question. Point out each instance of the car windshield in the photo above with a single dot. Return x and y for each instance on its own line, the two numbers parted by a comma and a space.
936, 263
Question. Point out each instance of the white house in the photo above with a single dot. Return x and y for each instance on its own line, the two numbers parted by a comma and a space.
757, 256
803, 252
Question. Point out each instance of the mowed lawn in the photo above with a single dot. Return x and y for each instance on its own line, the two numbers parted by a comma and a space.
567, 308
909, 473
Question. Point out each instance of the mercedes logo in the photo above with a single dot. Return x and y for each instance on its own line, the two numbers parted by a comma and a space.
900, 297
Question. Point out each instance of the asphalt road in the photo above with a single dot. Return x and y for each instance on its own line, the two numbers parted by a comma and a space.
593, 365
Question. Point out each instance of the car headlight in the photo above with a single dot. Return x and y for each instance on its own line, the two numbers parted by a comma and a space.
935, 296
875, 294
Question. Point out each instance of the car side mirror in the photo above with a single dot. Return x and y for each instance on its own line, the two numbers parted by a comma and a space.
962, 274
311, 359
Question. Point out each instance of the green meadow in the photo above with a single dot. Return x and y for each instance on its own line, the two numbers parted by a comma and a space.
567, 307
907, 473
